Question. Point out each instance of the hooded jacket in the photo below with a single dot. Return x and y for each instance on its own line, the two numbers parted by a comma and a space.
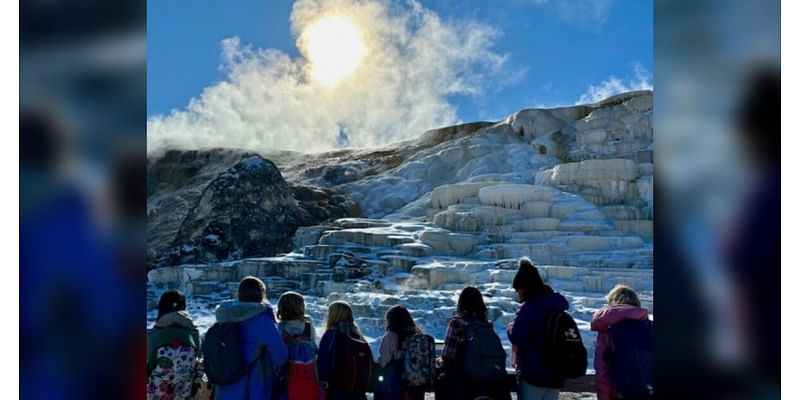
296, 327
526, 331
601, 321
257, 327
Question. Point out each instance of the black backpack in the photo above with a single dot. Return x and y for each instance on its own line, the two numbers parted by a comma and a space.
563, 353
484, 356
354, 366
222, 355
630, 358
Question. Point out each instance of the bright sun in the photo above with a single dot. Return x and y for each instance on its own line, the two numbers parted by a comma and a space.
334, 47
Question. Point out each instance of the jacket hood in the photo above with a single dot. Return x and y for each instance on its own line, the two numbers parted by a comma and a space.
294, 327
237, 311
181, 319
550, 301
610, 315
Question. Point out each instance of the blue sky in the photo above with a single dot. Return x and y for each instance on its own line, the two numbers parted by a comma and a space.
553, 51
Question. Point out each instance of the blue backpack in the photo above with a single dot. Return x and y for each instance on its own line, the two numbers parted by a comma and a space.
630, 358
484, 356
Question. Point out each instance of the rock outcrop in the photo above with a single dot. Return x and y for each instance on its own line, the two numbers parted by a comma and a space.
249, 210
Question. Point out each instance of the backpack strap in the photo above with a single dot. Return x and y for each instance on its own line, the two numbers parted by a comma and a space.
307, 330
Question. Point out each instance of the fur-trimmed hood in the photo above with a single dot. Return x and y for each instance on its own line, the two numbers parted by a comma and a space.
180, 319
237, 311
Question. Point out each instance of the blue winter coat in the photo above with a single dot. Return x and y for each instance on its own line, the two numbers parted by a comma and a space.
257, 328
526, 332
325, 367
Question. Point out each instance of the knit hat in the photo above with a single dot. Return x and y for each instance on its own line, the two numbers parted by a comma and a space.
527, 276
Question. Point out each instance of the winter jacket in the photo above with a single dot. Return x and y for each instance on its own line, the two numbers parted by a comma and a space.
172, 349
325, 364
257, 328
526, 333
601, 321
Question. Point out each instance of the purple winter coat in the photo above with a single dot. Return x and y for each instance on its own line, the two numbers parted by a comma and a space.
526, 334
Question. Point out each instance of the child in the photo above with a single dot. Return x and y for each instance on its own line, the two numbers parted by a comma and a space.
399, 327
172, 348
526, 330
292, 316
256, 329
455, 385
297, 331
350, 375
623, 304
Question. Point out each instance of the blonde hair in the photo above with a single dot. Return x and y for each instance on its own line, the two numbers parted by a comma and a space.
622, 294
340, 311
291, 307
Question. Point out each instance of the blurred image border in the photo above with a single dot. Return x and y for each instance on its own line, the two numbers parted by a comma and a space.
9, 204
790, 214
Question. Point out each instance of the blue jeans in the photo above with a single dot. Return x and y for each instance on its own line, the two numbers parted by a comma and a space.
530, 392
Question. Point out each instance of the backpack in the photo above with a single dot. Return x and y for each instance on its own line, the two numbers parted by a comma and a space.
303, 382
159, 339
223, 361
484, 356
354, 365
630, 358
419, 361
172, 362
563, 353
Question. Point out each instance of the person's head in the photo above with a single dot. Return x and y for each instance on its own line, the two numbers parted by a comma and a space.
291, 307
470, 303
339, 311
622, 294
527, 282
399, 321
42, 139
171, 301
758, 115
252, 290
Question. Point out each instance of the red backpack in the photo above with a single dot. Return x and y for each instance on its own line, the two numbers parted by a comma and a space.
303, 382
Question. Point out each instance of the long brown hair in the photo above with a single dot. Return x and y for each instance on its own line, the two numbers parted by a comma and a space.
470, 304
399, 321
291, 307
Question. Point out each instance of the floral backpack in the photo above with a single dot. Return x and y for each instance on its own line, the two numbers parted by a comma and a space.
172, 364
419, 361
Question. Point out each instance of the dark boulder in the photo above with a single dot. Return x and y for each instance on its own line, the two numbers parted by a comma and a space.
249, 210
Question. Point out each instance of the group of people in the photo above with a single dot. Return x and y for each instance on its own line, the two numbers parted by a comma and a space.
249, 354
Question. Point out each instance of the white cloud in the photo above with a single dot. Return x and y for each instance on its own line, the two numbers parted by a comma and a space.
593, 13
642, 80
414, 60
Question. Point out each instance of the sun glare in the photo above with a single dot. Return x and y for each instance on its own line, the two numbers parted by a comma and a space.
334, 48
